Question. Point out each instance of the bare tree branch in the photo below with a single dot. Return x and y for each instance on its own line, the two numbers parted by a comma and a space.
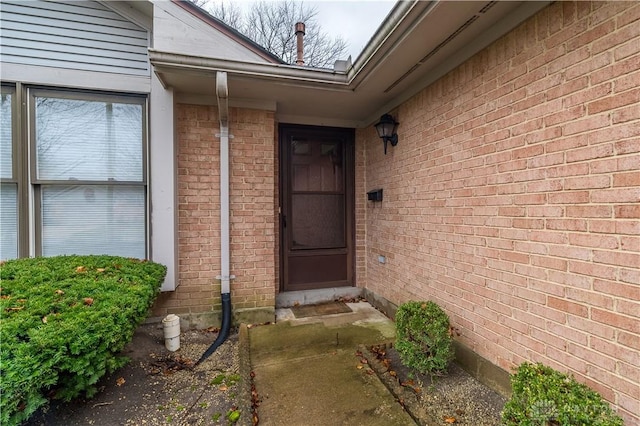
271, 25
227, 12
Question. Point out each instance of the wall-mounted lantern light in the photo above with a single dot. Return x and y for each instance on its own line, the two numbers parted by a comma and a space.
387, 130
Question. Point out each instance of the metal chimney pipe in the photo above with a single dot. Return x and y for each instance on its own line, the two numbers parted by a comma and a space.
300, 32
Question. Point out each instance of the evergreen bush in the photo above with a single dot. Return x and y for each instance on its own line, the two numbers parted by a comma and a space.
64, 321
545, 397
423, 338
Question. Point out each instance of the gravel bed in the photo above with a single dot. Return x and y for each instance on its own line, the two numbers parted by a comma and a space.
455, 398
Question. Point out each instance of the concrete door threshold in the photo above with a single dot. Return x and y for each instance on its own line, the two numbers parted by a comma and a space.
312, 297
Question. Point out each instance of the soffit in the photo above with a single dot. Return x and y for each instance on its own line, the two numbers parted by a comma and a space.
404, 56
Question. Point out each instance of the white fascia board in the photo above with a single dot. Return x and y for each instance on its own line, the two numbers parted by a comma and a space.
75, 79
191, 99
316, 121
128, 12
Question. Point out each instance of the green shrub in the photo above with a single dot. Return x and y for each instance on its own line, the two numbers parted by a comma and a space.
64, 320
544, 397
423, 340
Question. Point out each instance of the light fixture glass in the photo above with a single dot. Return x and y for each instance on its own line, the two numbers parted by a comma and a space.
386, 129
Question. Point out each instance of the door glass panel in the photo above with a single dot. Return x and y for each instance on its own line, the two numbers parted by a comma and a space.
318, 221
93, 219
9, 221
317, 198
317, 166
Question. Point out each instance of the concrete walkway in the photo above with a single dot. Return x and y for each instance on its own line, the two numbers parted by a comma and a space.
307, 372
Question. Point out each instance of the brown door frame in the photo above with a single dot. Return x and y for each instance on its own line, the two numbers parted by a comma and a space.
285, 132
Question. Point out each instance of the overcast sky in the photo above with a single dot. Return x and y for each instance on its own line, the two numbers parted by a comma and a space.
354, 20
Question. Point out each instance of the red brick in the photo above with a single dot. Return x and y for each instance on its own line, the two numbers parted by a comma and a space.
618, 100
616, 320
631, 340
536, 206
567, 306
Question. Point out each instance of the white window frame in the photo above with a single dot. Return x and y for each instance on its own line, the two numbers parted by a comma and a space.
24, 160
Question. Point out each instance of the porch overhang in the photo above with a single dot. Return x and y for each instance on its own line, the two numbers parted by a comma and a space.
418, 43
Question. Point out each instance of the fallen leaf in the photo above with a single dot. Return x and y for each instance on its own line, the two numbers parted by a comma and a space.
359, 366
120, 381
100, 269
223, 388
59, 292
5, 297
44, 319
81, 269
392, 373
364, 361
449, 420
88, 301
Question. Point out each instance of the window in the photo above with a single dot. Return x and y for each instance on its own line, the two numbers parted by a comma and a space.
8, 177
87, 175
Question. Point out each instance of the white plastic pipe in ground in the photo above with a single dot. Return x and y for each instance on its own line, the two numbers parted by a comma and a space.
171, 326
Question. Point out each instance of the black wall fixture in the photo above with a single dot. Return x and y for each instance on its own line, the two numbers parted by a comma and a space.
386, 128
375, 195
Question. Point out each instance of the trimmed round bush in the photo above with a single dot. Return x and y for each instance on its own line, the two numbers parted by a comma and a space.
423, 338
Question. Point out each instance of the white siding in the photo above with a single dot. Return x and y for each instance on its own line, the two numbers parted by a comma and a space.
177, 31
79, 35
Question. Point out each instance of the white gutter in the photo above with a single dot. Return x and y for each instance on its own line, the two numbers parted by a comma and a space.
222, 93
389, 25
167, 60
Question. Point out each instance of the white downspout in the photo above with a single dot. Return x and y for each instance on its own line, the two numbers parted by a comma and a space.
222, 93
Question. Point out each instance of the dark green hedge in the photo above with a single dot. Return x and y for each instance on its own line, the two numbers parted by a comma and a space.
64, 321
543, 396
423, 338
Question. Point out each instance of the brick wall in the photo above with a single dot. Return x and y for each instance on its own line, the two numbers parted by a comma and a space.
513, 198
252, 218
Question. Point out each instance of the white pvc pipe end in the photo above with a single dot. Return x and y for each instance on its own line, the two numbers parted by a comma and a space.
171, 325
